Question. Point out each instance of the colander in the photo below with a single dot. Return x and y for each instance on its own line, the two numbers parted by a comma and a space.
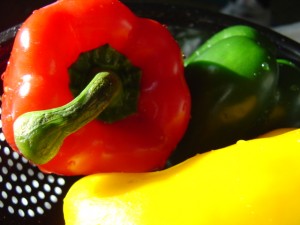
30, 197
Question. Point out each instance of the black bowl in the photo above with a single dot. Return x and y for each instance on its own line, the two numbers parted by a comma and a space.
29, 197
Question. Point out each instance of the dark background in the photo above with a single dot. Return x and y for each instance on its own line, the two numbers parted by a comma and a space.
15, 11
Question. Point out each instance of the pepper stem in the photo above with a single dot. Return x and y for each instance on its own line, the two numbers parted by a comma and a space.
40, 134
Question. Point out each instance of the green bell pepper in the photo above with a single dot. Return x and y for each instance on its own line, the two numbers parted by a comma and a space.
285, 109
232, 78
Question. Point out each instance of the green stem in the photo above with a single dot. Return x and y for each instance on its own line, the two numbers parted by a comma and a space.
40, 134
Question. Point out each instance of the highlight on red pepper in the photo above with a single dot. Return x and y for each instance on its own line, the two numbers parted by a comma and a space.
91, 87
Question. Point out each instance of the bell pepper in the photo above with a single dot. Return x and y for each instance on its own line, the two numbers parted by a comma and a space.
285, 107
91, 87
251, 182
232, 77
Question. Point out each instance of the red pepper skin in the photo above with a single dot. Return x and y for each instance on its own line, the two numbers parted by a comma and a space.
36, 78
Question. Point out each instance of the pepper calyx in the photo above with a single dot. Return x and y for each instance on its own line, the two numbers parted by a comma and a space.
106, 58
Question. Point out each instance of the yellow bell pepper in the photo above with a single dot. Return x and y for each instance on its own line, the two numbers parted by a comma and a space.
254, 182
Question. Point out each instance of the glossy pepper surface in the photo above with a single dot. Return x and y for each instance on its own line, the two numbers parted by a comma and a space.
232, 77
251, 182
52, 51
285, 103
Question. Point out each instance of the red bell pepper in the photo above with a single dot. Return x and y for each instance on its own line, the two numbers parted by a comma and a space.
68, 36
